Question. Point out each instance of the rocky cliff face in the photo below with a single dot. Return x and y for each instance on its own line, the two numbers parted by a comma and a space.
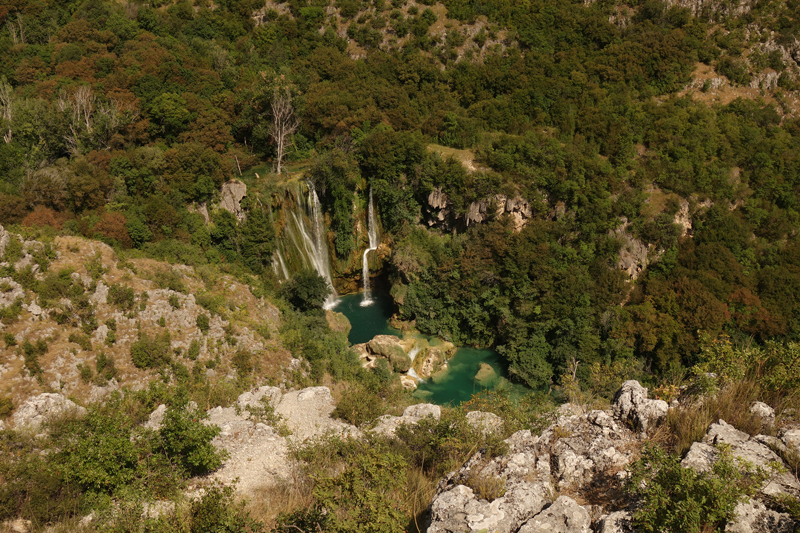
439, 211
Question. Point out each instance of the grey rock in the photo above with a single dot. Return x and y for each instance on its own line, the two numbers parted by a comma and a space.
232, 194
255, 397
484, 422
564, 516
156, 418
39, 409
617, 522
100, 295
754, 517
792, 439
437, 199
631, 405
387, 424
421, 410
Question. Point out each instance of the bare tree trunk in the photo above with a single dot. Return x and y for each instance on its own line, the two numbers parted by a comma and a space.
284, 123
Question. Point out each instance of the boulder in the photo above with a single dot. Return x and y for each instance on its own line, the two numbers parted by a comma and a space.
632, 406
484, 422
156, 418
389, 347
255, 397
39, 409
764, 412
564, 516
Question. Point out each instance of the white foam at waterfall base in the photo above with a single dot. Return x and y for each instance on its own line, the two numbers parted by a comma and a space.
372, 232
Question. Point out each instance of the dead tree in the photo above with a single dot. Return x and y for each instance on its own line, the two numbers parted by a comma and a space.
284, 122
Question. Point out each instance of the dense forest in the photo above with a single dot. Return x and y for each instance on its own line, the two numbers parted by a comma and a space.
119, 118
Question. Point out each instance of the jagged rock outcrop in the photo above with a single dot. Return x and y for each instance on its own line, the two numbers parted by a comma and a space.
440, 212
233, 192
43, 407
633, 255
631, 405
386, 347
569, 456
714, 8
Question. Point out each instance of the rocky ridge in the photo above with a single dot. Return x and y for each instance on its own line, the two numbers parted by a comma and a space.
583, 457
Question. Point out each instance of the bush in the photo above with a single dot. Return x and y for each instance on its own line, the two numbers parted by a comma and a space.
679, 499
194, 350
151, 352
187, 440
81, 340
203, 323
6, 407
307, 290
121, 296
217, 512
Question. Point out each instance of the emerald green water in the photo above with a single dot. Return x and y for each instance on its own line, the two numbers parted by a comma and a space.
368, 321
454, 386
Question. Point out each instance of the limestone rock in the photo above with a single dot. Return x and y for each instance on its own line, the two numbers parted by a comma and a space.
764, 412
754, 517
437, 199
387, 424
10, 291
792, 439
389, 347
38, 409
564, 516
617, 522
5, 237
255, 397
484, 422
232, 194
632, 406
156, 417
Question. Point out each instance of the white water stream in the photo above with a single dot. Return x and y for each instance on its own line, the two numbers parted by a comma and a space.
372, 232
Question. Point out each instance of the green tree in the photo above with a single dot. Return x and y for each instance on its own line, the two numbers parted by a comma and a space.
306, 291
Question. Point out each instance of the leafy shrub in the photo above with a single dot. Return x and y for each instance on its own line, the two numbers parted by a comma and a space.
85, 372
105, 366
151, 352
218, 512
169, 279
244, 363
203, 323
174, 302
188, 441
121, 296
94, 266
194, 350
31, 353
81, 340
10, 313
6, 407
13, 251
9, 339
679, 499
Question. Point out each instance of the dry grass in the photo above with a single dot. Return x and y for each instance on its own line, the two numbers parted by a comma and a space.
270, 501
687, 425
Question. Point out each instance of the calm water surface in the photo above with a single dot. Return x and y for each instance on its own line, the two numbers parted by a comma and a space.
458, 384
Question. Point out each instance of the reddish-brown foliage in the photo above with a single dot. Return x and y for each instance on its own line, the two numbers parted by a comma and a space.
44, 216
112, 227
12, 209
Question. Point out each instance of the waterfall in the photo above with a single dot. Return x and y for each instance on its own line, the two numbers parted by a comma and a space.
372, 231
302, 242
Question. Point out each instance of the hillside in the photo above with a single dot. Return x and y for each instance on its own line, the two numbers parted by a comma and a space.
593, 192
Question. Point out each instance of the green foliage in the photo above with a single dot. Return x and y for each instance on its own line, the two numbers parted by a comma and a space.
203, 323
194, 350
187, 441
218, 512
151, 352
306, 291
680, 499
81, 340
121, 296
6, 407
9, 339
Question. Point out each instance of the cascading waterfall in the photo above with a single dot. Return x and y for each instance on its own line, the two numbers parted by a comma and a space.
372, 231
302, 243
